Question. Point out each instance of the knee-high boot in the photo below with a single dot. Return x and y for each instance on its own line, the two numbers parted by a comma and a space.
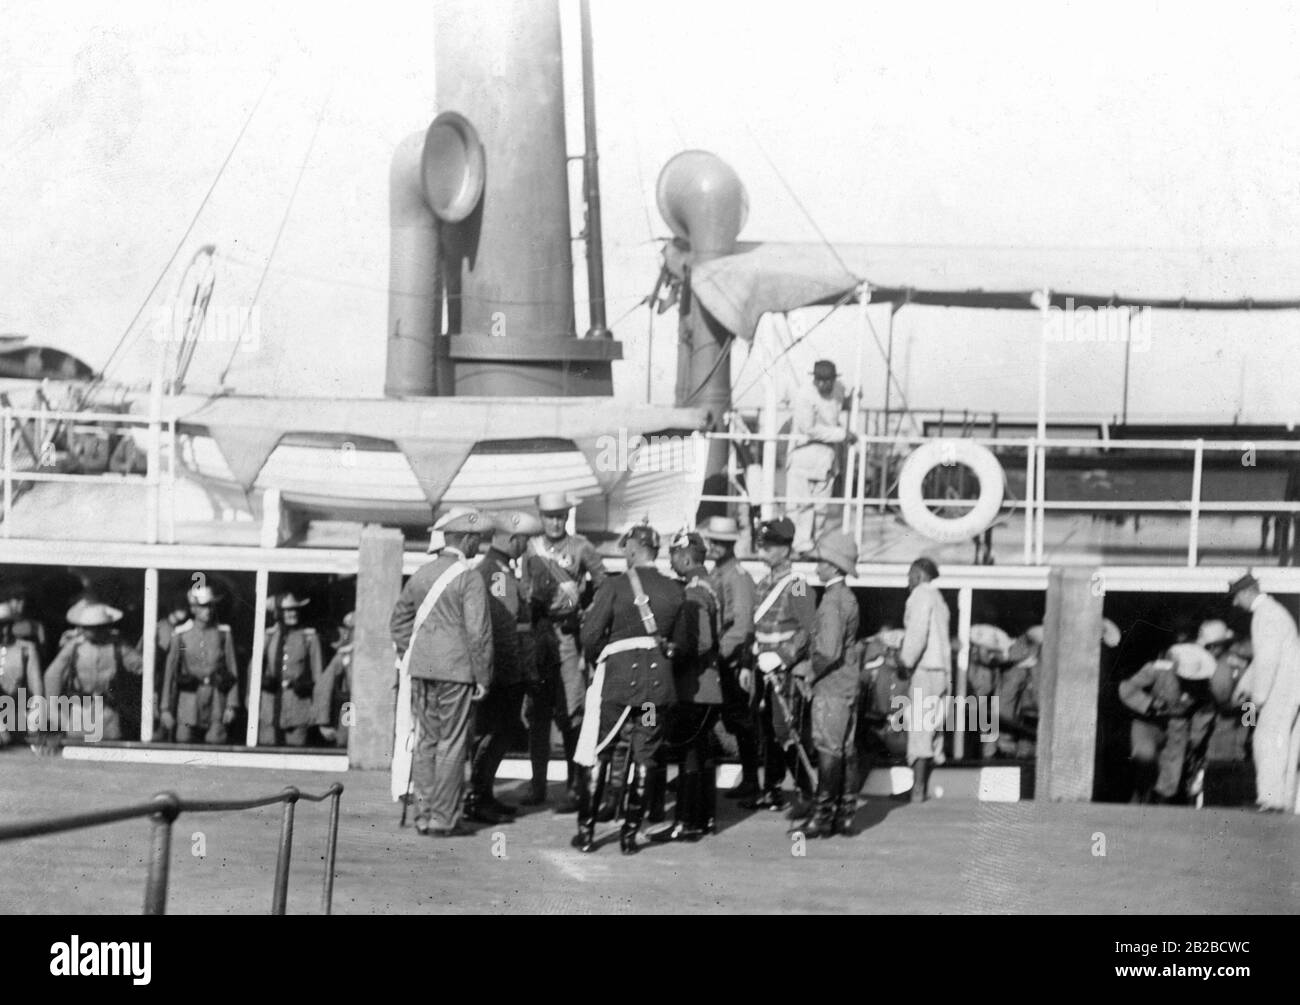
656, 792
706, 809
590, 792
636, 791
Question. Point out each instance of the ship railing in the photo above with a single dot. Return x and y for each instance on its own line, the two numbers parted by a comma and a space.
37, 461
163, 810
759, 485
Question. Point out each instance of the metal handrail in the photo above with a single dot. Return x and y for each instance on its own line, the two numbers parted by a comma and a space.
165, 807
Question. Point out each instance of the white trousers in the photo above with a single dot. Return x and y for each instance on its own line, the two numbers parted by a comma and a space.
1276, 746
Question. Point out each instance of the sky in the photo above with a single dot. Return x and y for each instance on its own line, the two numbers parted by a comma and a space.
1125, 124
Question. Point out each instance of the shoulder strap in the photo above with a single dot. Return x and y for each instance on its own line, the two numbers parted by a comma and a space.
642, 602
773, 595
449, 575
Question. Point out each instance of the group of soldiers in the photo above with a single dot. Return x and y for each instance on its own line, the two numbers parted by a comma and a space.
198, 695
1219, 680
638, 669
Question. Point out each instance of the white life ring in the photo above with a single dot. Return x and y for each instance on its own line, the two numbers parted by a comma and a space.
926, 458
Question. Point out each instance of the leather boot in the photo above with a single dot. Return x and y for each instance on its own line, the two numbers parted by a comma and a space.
685, 812
590, 793
921, 779
707, 807
636, 791
656, 793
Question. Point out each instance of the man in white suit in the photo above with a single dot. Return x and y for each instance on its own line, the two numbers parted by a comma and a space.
1273, 684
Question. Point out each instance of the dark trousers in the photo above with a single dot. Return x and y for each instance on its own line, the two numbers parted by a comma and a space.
643, 730
740, 720
442, 710
556, 693
782, 715
495, 718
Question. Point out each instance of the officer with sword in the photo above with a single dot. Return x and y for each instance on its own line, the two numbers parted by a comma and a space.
783, 625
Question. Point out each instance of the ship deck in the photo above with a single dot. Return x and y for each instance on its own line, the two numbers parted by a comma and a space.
946, 856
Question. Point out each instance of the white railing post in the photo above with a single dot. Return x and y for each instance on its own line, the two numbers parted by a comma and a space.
258, 657
149, 654
1193, 536
1031, 493
767, 499
7, 446
153, 508
964, 604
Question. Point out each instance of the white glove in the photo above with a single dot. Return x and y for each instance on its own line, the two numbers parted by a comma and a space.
769, 662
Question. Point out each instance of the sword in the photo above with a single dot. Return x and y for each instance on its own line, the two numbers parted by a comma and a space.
794, 730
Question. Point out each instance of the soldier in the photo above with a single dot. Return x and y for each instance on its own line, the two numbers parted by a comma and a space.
510, 611
20, 675
289, 677
443, 634
25, 626
734, 589
927, 656
334, 691
200, 692
1273, 685
1174, 715
1017, 695
629, 635
699, 695
836, 660
988, 652
572, 561
783, 623
92, 664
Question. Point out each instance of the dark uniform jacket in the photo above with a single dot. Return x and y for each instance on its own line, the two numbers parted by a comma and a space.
638, 676
200, 677
334, 688
289, 678
695, 664
735, 591
834, 647
510, 613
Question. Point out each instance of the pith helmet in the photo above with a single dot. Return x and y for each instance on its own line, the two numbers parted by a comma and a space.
93, 615
720, 528
839, 549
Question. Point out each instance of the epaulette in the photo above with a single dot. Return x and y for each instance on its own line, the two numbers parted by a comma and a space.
1162, 664
184, 626
223, 628
308, 631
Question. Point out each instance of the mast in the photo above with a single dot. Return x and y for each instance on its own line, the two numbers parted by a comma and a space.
591, 187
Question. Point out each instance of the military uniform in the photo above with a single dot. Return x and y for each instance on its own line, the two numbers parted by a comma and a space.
734, 589
570, 562
20, 674
200, 682
447, 654
699, 698
289, 677
91, 669
333, 692
1173, 719
1017, 693
633, 691
836, 659
497, 715
783, 624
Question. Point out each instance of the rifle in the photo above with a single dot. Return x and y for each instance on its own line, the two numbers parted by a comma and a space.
795, 731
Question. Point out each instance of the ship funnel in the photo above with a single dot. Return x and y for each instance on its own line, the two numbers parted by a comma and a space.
703, 201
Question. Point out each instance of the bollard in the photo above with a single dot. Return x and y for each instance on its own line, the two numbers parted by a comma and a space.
160, 852
280, 895
331, 847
